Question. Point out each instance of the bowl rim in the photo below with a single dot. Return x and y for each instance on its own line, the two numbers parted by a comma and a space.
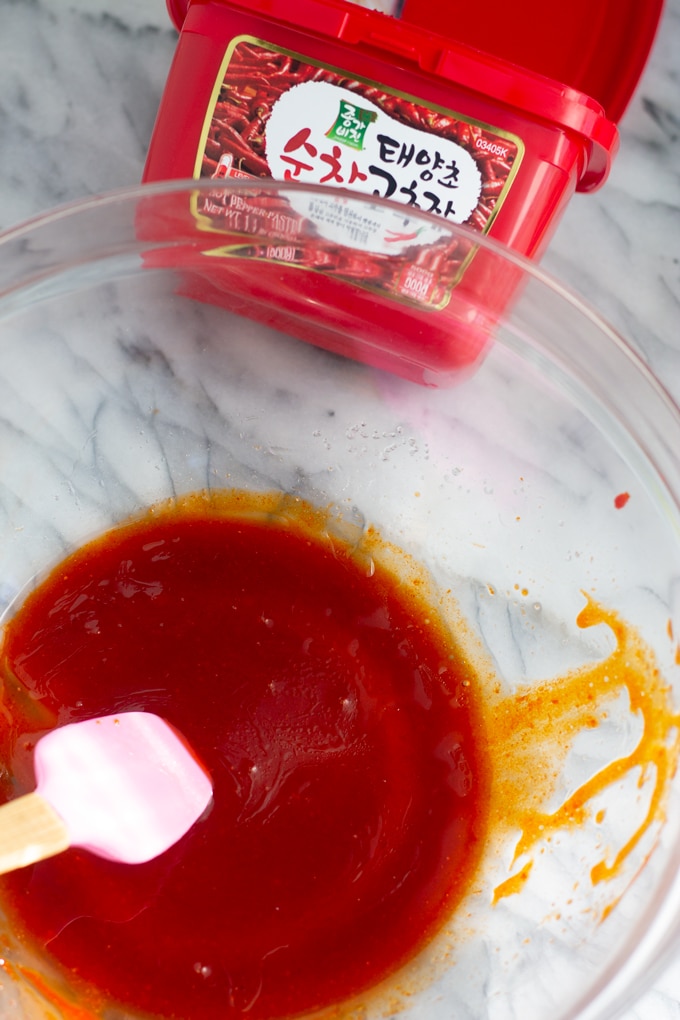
634, 966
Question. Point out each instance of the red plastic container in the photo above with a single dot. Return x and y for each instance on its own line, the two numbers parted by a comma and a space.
598, 46
326, 92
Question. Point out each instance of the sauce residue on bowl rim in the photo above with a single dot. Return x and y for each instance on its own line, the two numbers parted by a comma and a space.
536, 726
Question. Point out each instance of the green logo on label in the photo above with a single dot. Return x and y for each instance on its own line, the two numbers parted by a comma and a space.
350, 124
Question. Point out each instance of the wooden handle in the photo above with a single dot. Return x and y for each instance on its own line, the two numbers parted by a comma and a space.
30, 831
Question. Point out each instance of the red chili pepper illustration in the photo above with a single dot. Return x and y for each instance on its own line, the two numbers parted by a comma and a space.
393, 235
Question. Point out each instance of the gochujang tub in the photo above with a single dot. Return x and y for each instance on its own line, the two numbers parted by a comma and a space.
328, 93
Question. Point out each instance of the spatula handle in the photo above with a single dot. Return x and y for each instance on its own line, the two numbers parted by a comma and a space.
30, 831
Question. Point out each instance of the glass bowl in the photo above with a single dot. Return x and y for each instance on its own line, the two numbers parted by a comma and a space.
528, 467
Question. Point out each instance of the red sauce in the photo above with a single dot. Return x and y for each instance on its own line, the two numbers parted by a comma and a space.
350, 794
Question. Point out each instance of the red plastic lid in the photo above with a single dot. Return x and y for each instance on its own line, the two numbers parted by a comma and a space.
596, 46
523, 90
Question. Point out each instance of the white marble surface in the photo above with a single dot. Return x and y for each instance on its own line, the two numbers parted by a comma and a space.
80, 83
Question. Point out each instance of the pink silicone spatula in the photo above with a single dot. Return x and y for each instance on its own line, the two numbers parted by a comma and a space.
126, 787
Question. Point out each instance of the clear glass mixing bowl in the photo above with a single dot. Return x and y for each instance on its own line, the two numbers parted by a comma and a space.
529, 464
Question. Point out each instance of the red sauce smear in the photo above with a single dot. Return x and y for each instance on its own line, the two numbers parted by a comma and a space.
350, 793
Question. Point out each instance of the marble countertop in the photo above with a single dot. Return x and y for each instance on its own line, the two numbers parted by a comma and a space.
80, 84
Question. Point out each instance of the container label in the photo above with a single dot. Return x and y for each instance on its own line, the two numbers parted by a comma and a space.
275, 114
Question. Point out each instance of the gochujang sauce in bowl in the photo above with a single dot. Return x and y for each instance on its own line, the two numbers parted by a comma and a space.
338, 723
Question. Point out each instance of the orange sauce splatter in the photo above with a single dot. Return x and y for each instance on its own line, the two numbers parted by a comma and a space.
514, 884
47, 993
534, 730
